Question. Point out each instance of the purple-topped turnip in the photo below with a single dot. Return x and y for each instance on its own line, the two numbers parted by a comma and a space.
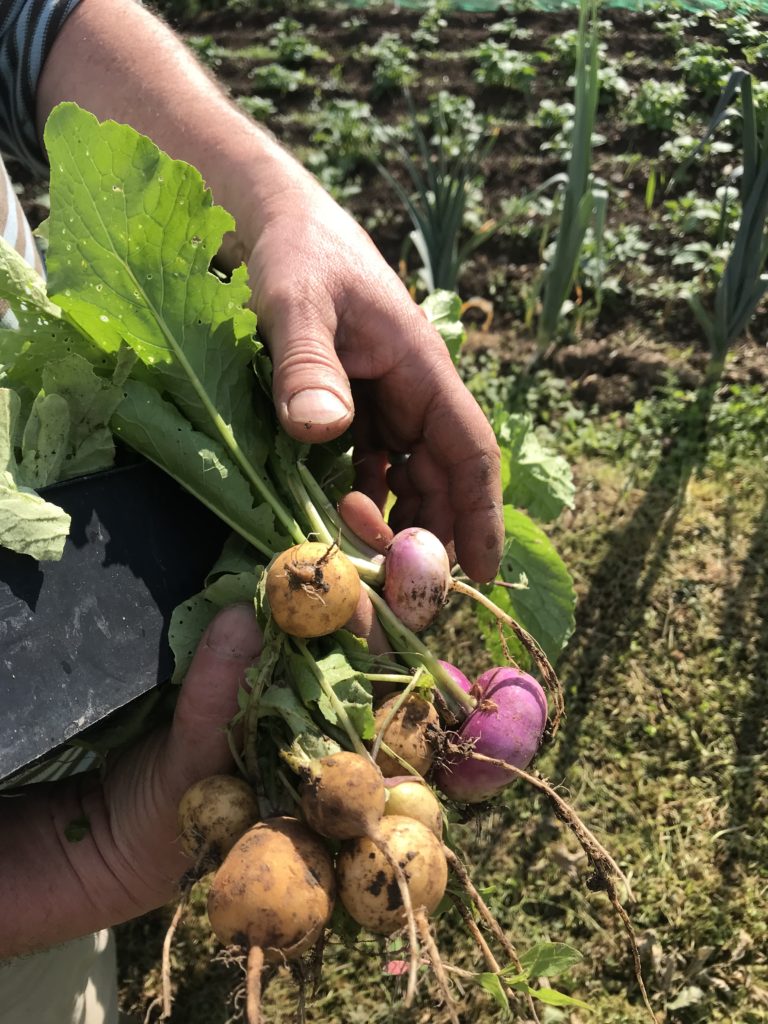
507, 725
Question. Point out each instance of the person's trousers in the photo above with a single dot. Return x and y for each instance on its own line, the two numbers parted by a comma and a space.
71, 984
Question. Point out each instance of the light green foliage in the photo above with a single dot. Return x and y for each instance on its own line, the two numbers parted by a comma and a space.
443, 176
393, 63
291, 43
279, 79
510, 30
258, 107
552, 115
498, 65
694, 214
584, 199
28, 523
657, 106
426, 35
545, 600
346, 132
533, 476
704, 68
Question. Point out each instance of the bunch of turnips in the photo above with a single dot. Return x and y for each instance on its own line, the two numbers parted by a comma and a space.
357, 818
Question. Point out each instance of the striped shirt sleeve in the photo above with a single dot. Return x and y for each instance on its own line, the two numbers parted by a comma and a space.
27, 31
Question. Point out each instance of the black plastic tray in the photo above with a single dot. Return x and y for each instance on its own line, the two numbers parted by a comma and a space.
82, 637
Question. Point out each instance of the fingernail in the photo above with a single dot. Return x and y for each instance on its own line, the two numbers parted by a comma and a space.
317, 406
235, 633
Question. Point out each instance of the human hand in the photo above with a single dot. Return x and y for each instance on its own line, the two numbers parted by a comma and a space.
350, 347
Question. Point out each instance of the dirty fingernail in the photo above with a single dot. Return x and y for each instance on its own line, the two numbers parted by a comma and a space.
317, 406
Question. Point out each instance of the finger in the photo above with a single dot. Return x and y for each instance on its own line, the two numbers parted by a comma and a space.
311, 391
422, 399
364, 519
197, 744
365, 624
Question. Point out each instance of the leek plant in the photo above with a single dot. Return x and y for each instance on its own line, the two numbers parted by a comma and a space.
582, 201
443, 176
743, 281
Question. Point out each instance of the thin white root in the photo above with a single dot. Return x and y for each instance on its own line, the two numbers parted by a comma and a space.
253, 984
167, 946
437, 964
413, 939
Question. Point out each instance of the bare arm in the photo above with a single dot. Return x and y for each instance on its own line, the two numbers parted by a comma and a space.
346, 339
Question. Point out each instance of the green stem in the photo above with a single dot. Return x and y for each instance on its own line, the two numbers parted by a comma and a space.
416, 653
227, 435
386, 677
339, 709
261, 675
396, 705
348, 542
324, 522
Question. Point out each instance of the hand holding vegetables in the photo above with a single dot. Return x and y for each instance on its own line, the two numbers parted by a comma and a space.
129, 858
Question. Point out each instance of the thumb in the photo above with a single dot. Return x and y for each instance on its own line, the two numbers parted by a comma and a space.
311, 391
197, 744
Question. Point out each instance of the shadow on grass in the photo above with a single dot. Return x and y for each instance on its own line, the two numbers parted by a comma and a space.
744, 633
612, 612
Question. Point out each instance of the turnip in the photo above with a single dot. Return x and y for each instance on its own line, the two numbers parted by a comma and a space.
213, 814
367, 885
411, 730
418, 577
342, 796
457, 675
416, 585
312, 589
408, 796
508, 724
273, 896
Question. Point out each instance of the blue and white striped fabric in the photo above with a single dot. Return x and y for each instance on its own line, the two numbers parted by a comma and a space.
27, 31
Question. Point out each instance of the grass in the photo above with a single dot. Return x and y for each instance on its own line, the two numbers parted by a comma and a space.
662, 753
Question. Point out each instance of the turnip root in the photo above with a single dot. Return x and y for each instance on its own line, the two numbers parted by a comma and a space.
367, 884
273, 896
508, 725
412, 733
213, 814
343, 796
312, 589
408, 796
418, 577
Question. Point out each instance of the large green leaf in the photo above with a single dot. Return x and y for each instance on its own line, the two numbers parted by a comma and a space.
548, 959
40, 333
154, 427
28, 523
545, 603
145, 229
533, 477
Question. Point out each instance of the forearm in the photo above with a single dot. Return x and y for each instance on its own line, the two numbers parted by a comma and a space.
118, 61
57, 882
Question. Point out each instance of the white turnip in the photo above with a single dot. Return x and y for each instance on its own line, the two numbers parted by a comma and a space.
273, 896
213, 813
409, 797
411, 731
312, 589
367, 884
342, 796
